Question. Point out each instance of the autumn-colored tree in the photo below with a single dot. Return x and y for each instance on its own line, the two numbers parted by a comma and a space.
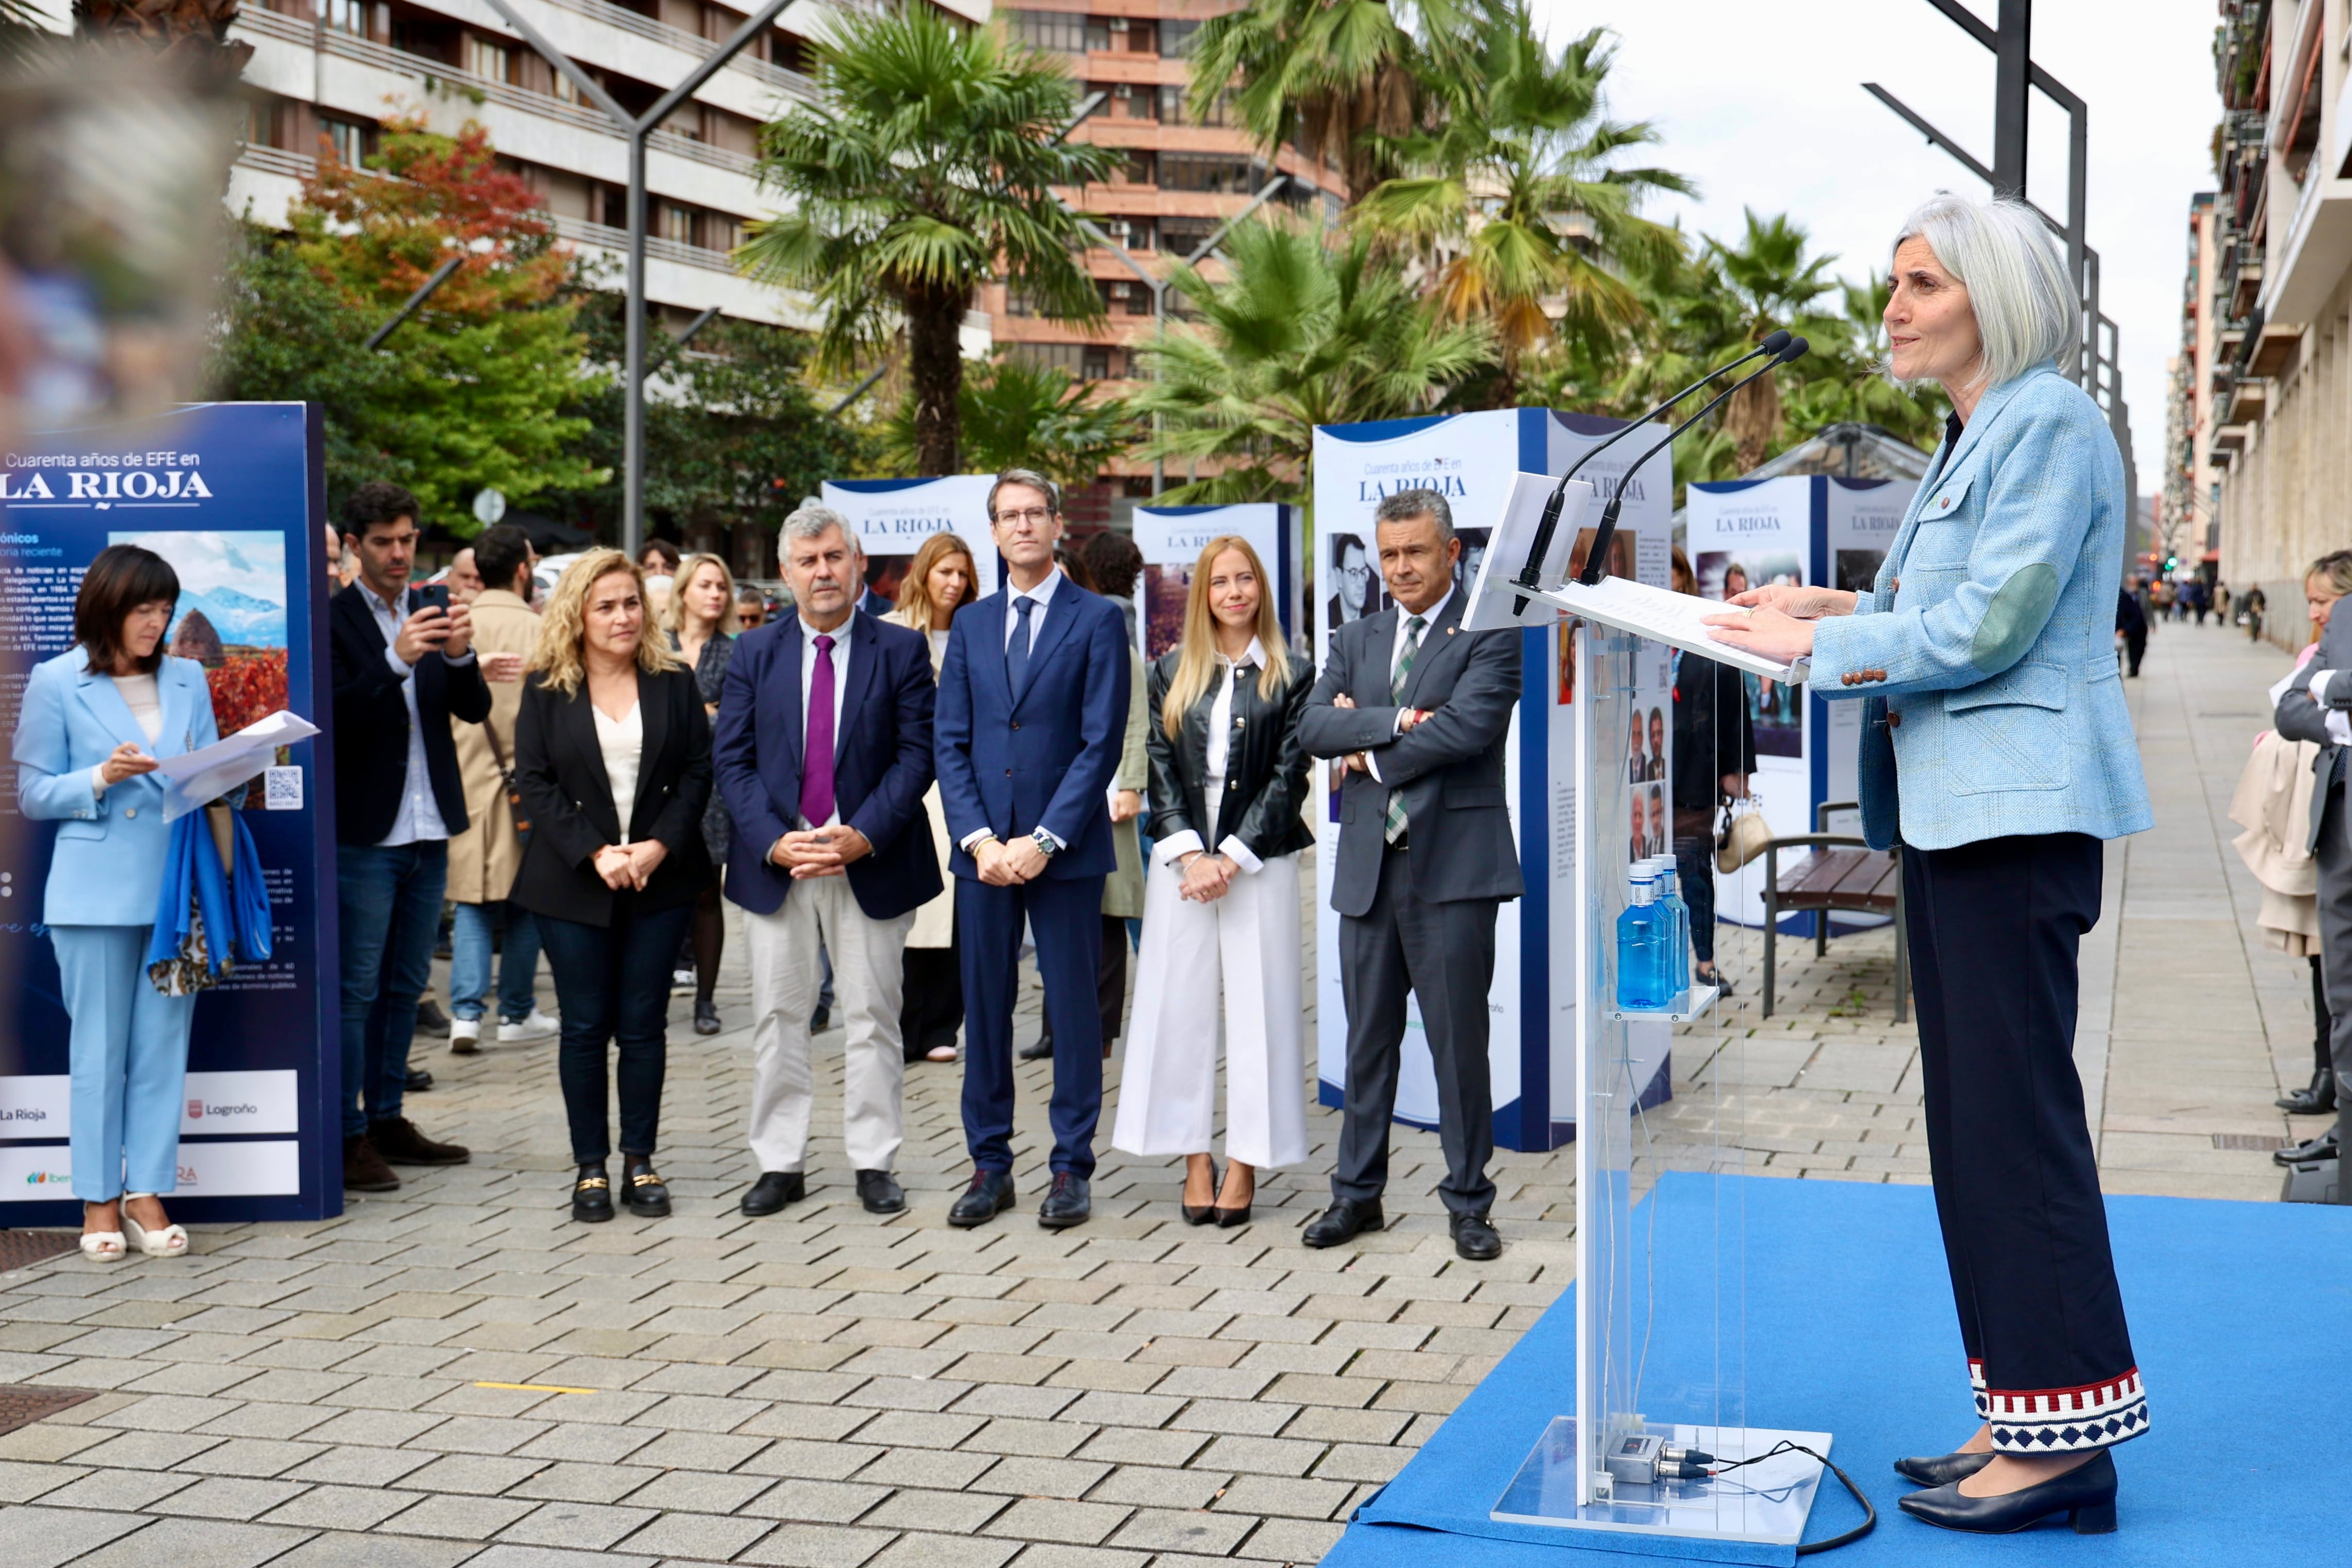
473, 391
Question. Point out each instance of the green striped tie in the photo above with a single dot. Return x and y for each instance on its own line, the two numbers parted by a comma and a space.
1394, 831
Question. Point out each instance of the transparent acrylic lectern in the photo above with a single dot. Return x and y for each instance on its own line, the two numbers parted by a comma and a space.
1611, 1462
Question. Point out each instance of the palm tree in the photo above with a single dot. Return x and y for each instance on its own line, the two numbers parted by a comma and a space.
190, 33
932, 158
20, 33
1331, 71
1302, 333
1516, 203
1015, 414
1771, 285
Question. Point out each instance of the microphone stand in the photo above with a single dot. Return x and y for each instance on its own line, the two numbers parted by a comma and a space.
1606, 533
1548, 524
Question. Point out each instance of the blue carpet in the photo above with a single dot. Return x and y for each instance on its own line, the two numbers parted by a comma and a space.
2240, 1316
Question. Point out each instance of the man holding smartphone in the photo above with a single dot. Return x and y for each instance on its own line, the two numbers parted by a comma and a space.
404, 667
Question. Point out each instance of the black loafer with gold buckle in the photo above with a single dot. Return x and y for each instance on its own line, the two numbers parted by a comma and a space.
643, 1192
592, 1196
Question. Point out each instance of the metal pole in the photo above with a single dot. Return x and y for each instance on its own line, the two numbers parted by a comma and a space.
2012, 74
423, 292
859, 391
633, 361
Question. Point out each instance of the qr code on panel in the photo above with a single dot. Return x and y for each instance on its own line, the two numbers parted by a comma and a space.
282, 789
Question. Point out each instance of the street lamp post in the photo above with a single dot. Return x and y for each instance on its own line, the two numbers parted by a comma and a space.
637, 129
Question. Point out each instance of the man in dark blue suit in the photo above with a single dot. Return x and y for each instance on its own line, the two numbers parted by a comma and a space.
1032, 714
823, 752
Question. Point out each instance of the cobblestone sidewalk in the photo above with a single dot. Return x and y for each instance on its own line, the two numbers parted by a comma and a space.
456, 1374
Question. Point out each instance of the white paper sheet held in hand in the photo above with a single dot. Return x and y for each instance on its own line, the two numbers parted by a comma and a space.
1676, 619
197, 777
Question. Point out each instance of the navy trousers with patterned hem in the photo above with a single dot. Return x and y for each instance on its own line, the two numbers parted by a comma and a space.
1995, 930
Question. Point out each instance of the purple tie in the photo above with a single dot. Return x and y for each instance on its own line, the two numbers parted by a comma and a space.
816, 766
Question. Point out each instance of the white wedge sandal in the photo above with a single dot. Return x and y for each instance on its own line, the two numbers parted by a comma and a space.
172, 1241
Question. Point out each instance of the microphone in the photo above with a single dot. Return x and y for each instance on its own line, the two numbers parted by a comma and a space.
1602, 535
1548, 524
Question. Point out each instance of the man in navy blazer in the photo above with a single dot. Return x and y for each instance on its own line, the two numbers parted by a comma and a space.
1031, 715
823, 753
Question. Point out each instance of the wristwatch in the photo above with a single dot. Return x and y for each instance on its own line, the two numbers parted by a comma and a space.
1045, 842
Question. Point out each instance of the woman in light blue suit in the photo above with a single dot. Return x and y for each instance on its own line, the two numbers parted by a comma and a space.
1998, 751
95, 719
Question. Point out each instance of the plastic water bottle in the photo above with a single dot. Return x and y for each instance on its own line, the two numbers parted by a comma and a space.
1670, 899
1643, 943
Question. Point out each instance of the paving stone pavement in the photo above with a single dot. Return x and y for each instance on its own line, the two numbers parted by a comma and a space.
454, 1374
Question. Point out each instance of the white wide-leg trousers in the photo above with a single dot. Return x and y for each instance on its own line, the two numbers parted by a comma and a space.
868, 978
1245, 945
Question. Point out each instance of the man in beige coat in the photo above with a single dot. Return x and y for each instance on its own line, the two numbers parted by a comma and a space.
484, 858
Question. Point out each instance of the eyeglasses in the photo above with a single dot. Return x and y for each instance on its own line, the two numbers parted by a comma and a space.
1034, 517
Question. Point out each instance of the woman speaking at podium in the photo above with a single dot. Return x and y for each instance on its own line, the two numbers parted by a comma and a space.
1998, 752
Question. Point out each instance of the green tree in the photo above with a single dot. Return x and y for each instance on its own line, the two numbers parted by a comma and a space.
1515, 201
1303, 333
1334, 74
1015, 414
734, 438
928, 166
471, 391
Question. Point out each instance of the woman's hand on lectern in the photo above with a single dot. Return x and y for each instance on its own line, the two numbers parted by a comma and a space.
1774, 633
1796, 600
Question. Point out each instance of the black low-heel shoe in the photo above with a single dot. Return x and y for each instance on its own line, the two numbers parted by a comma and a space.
1201, 1213
592, 1196
643, 1191
1941, 1470
2085, 1494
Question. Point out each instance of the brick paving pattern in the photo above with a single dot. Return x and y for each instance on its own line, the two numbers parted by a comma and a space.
455, 1374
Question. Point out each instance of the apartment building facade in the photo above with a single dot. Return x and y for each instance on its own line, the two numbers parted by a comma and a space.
2271, 449
1180, 180
330, 72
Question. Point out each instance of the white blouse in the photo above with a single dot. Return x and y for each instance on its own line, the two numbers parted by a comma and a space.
1220, 748
623, 742
145, 700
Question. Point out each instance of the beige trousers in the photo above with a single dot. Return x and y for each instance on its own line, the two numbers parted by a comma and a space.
867, 979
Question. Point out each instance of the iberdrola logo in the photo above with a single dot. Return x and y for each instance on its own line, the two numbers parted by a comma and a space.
45, 1178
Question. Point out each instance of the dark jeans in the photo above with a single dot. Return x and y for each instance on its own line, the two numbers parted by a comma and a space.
613, 984
389, 907
1695, 880
1996, 928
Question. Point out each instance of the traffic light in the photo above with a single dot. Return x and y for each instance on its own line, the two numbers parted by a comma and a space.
2171, 562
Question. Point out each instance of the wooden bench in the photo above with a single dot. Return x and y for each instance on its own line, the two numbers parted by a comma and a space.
1842, 876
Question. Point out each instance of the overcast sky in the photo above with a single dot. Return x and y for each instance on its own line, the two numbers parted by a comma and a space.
1760, 102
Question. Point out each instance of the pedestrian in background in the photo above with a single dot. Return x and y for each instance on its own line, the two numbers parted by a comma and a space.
750, 607
701, 625
2314, 704
825, 752
403, 666
1713, 757
613, 754
940, 580
93, 722
483, 859
2132, 622
1222, 912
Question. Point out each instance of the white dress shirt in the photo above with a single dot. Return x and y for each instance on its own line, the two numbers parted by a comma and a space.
418, 820
1043, 597
840, 635
1396, 651
622, 743
1220, 750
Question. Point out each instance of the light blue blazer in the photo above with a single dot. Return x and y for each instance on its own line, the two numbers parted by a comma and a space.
1984, 651
108, 865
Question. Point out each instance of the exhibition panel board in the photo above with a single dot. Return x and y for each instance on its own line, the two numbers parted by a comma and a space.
234, 495
1171, 540
1475, 461
894, 516
1825, 531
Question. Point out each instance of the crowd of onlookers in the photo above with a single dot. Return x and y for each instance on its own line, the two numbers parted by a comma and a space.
901, 797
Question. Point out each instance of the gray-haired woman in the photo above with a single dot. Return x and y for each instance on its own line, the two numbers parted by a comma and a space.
1997, 749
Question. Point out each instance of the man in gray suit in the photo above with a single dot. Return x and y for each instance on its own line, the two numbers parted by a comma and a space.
1419, 708
2317, 706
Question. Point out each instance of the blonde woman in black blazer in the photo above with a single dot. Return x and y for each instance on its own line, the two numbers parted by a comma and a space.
609, 716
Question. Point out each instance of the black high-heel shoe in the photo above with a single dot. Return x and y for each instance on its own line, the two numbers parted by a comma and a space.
1941, 1470
2085, 1494
1200, 1214
1227, 1218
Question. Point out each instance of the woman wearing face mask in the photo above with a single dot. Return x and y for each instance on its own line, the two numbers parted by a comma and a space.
613, 759
701, 625
1220, 912
940, 582
94, 721
1998, 751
